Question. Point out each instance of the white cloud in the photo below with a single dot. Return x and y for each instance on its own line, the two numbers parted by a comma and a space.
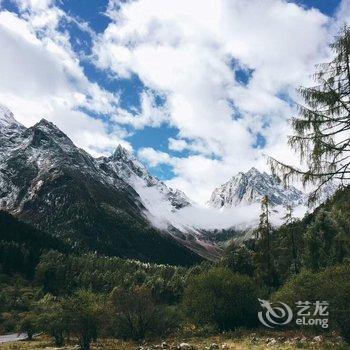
185, 50
150, 113
40, 77
161, 213
342, 15
153, 157
182, 51
177, 145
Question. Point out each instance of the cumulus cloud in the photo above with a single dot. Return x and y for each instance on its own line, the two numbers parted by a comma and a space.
153, 157
194, 52
221, 72
342, 15
40, 77
177, 145
149, 113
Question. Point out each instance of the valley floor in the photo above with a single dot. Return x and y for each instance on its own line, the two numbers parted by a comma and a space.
255, 341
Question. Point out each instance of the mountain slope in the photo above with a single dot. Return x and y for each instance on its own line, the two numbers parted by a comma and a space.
128, 168
21, 246
251, 187
49, 182
162, 204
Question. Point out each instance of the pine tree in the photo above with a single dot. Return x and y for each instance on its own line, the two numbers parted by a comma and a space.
322, 129
288, 220
264, 259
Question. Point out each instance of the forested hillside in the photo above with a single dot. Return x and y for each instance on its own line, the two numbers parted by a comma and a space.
320, 239
21, 246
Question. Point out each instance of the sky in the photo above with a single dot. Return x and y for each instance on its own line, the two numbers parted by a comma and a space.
198, 90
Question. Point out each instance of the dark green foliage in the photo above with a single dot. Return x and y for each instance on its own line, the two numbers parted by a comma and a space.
83, 313
135, 315
60, 274
321, 131
263, 257
238, 258
17, 301
322, 238
28, 324
85, 286
222, 298
52, 318
21, 246
331, 285
319, 240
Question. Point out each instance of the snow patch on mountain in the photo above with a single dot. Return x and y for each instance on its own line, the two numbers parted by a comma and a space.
156, 196
6, 117
45, 149
251, 187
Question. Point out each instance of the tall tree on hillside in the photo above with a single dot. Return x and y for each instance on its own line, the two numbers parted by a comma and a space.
322, 129
263, 258
288, 221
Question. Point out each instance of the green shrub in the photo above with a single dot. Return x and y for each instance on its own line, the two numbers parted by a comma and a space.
221, 298
134, 314
83, 314
331, 285
52, 319
28, 324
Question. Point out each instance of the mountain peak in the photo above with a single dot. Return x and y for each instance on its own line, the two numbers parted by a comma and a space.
45, 124
51, 129
251, 187
132, 171
122, 153
127, 159
253, 170
6, 118
48, 135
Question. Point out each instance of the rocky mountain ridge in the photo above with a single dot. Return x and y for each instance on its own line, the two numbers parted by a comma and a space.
112, 204
251, 187
47, 181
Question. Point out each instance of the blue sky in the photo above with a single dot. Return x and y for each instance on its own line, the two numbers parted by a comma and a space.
131, 88
183, 88
325, 6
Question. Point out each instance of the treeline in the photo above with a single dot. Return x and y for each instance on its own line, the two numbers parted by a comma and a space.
319, 240
21, 246
60, 274
85, 296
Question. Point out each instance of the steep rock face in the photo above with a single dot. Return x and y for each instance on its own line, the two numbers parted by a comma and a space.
251, 187
9, 129
49, 182
326, 192
132, 171
162, 203
7, 121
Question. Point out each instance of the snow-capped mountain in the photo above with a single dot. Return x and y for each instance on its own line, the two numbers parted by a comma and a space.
132, 171
113, 205
326, 192
251, 187
163, 205
7, 121
9, 129
95, 204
